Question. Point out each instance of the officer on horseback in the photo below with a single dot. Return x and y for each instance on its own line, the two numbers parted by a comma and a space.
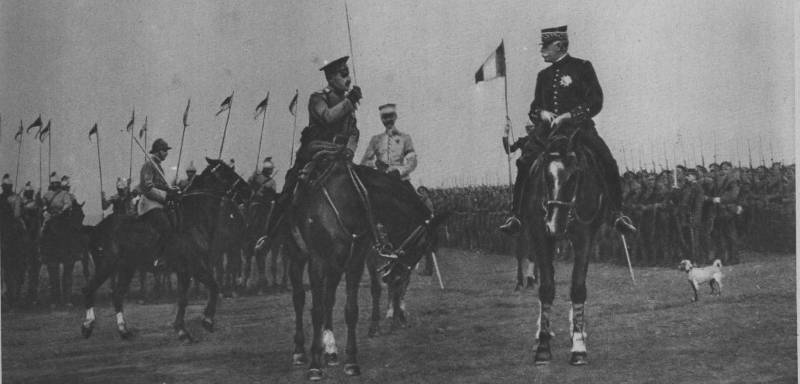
569, 94
156, 193
122, 202
58, 199
262, 182
12, 199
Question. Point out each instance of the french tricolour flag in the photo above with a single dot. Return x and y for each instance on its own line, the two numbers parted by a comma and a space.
494, 66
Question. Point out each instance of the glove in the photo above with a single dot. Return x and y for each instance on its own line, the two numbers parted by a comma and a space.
561, 120
355, 95
547, 116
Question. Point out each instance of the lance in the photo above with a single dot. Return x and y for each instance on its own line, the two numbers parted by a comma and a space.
158, 169
715, 149
49, 150
702, 157
625, 157
225, 131
261, 138
96, 132
180, 150
40, 160
130, 129
749, 155
761, 150
771, 154
628, 257
294, 130
666, 159
19, 154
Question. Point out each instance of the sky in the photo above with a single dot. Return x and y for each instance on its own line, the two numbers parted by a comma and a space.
681, 78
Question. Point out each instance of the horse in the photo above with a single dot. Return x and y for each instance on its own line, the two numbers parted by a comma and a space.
63, 241
13, 248
565, 199
123, 243
257, 215
331, 234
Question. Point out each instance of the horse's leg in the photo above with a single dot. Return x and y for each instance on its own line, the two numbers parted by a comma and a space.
85, 266
207, 278
184, 279
299, 300
547, 291
582, 243
66, 278
124, 278
261, 269
328, 339
101, 274
316, 276
54, 275
375, 290
353, 280
34, 268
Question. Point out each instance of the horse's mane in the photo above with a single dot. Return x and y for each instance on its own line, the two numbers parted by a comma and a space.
388, 193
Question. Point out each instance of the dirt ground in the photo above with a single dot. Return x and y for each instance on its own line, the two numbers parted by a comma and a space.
476, 331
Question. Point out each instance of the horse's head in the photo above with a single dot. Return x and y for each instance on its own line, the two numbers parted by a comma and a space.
220, 179
421, 241
561, 170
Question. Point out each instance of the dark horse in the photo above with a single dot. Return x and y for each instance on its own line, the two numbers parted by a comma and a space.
565, 199
63, 241
125, 243
13, 246
331, 234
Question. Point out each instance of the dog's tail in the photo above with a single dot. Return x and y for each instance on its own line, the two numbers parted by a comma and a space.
718, 263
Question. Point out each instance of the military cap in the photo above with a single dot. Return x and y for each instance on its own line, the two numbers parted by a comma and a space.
760, 167
191, 168
681, 167
159, 145
335, 65
122, 183
776, 164
388, 109
53, 176
726, 162
628, 174
268, 162
65, 181
550, 35
7, 179
693, 172
28, 186
422, 189
713, 165
701, 168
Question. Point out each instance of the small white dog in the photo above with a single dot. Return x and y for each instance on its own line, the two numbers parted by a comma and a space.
711, 274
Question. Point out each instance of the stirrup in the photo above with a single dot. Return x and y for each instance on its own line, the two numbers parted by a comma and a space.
511, 226
385, 250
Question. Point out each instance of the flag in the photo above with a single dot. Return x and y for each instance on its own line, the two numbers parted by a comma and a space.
143, 131
129, 128
186, 113
493, 67
18, 136
262, 106
226, 104
35, 124
293, 103
44, 133
93, 131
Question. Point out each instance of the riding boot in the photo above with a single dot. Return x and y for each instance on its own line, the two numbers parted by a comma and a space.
513, 224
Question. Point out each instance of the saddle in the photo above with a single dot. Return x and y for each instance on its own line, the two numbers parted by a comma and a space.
322, 154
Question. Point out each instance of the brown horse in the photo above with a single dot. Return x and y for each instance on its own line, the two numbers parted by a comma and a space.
120, 244
565, 199
63, 242
331, 234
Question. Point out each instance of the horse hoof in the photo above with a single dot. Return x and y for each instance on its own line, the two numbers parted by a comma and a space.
208, 324
299, 359
315, 374
332, 359
86, 330
125, 334
352, 370
578, 358
185, 336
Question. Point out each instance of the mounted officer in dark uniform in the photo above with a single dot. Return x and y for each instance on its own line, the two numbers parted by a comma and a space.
569, 94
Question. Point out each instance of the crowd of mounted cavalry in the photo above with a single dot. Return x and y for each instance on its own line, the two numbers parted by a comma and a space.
755, 212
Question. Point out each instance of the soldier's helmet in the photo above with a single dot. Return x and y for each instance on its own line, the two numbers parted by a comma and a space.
7, 179
54, 180
122, 183
159, 145
65, 181
28, 187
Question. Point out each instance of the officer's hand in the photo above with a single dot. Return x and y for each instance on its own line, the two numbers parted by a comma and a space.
561, 119
547, 116
507, 129
355, 94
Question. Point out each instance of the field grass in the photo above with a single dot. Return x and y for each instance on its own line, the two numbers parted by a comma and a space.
476, 331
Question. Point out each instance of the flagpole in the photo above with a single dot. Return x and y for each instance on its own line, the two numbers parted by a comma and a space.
130, 161
100, 168
225, 131
19, 155
294, 131
508, 119
261, 138
49, 152
180, 151
40, 166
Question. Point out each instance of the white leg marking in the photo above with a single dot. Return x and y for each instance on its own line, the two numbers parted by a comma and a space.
329, 341
529, 271
403, 305
120, 320
390, 312
539, 321
90, 314
578, 338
